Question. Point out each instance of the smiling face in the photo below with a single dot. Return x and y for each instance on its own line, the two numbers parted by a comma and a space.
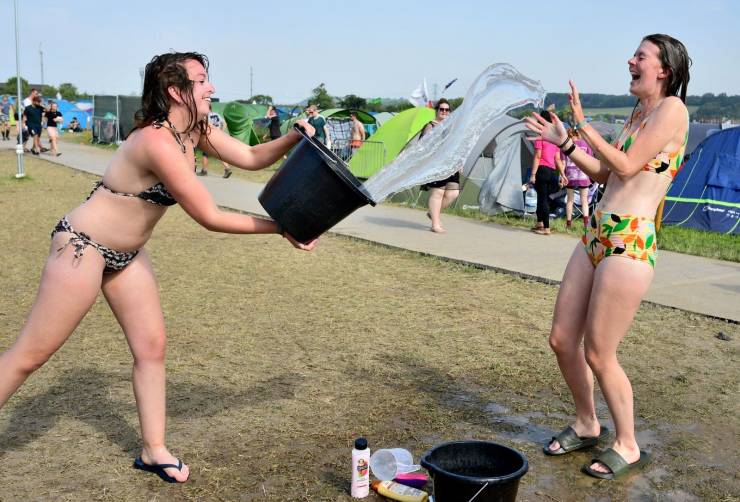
443, 111
648, 75
202, 88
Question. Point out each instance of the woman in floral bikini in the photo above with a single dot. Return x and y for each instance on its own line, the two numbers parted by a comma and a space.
601, 290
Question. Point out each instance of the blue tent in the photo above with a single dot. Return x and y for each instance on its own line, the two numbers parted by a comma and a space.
69, 110
706, 192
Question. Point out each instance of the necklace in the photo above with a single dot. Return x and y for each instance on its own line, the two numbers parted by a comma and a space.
158, 124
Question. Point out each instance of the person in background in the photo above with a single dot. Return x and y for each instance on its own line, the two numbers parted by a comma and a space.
214, 120
32, 116
319, 124
444, 192
274, 125
358, 132
74, 125
577, 180
54, 120
27, 101
548, 172
5, 112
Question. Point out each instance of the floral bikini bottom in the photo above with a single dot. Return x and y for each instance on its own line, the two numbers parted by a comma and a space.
611, 234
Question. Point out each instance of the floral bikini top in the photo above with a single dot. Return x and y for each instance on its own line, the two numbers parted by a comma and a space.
664, 163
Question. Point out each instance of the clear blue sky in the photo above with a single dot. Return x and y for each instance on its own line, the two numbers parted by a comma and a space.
376, 48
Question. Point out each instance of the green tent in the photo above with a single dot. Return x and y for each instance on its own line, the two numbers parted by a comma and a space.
332, 113
388, 141
240, 119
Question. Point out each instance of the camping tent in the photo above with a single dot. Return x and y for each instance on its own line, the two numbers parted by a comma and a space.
706, 192
393, 135
383, 117
493, 173
496, 168
81, 111
240, 119
339, 116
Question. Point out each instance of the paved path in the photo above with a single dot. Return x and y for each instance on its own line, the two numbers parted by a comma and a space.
702, 285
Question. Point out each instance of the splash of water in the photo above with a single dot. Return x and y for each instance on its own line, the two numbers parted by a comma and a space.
443, 151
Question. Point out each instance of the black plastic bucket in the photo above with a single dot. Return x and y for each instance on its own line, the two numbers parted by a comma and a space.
475, 471
312, 191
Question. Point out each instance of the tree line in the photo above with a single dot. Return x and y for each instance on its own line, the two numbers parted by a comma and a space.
711, 107
67, 90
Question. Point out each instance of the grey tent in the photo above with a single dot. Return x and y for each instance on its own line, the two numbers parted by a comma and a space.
494, 172
496, 168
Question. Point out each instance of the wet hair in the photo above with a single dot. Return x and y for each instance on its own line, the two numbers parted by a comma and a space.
441, 102
161, 73
675, 58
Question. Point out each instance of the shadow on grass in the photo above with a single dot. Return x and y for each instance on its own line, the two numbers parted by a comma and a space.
84, 394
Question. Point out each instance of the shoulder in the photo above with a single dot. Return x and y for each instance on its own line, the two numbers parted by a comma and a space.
155, 143
672, 111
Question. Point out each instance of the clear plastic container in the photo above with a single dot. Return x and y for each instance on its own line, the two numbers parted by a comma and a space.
388, 463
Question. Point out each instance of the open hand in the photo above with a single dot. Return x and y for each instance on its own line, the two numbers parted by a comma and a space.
554, 132
305, 246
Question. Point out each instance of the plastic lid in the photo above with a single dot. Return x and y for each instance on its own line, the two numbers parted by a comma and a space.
360, 443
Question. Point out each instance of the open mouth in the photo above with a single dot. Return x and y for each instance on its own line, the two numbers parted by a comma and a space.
635, 76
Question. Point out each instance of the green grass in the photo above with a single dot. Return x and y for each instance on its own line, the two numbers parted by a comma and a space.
85, 138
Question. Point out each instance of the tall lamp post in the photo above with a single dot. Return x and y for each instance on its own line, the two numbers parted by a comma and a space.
18, 102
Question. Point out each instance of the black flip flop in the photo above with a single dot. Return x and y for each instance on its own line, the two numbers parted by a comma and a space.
570, 441
158, 469
616, 463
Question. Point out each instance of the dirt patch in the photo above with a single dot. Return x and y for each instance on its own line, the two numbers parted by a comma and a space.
278, 359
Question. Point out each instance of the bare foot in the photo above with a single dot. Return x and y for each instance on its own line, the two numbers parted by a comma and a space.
542, 231
438, 230
163, 456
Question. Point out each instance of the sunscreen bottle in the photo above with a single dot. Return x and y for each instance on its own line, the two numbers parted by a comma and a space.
360, 469
397, 491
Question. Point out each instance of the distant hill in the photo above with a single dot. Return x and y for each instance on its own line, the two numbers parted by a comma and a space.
707, 107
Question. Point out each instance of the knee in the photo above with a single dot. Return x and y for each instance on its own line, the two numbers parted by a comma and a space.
560, 342
597, 360
26, 363
152, 350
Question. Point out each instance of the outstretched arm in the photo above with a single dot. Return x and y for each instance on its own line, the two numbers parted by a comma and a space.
175, 170
252, 158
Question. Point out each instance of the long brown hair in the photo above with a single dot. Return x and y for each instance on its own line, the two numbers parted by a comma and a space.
675, 58
162, 72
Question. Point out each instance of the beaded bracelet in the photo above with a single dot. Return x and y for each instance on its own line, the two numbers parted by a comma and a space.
561, 145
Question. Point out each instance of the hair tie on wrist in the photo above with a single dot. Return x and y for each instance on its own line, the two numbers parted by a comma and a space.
280, 229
